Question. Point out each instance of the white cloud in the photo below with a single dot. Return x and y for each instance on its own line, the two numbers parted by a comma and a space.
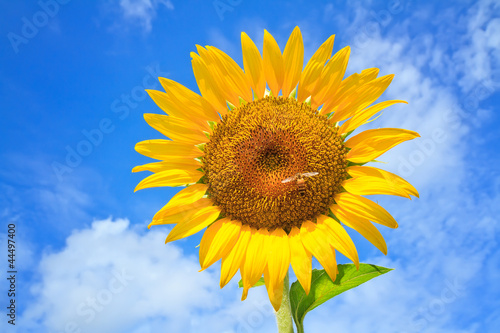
143, 11
479, 60
111, 278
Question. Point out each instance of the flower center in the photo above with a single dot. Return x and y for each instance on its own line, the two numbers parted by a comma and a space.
274, 163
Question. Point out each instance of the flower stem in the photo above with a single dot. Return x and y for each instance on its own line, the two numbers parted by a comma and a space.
284, 314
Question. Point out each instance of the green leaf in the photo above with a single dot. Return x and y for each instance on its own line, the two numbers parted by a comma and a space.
259, 283
323, 288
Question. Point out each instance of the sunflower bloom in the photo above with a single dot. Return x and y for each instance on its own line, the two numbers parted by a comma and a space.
273, 176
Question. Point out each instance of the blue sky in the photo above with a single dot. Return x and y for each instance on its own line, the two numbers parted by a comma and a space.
72, 83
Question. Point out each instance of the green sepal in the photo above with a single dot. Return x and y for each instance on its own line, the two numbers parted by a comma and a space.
242, 101
200, 146
202, 180
345, 135
308, 101
230, 106
293, 94
212, 124
350, 164
330, 214
323, 288
254, 94
259, 283
207, 134
268, 93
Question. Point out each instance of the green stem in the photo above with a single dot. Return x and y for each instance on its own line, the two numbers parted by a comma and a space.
284, 314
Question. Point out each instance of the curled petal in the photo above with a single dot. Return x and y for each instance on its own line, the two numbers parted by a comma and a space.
369, 180
365, 208
370, 144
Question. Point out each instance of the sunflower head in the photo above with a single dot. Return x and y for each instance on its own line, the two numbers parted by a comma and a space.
272, 174
257, 157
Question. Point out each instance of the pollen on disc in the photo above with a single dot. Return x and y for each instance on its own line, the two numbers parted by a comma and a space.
257, 146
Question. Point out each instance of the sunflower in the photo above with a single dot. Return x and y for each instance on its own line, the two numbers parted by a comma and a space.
273, 174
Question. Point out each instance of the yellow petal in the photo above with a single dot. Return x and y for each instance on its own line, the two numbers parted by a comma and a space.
368, 74
362, 97
361, 225
218, 240
167, 165
277, 265
161, 149
224, 84
364, 208
175, 128
166, 103
178, 213
233, 73
175, 177
185, 199
252, 62
313, 69
362, 117
300, 260
191, 224
368, 180
347, 88
208, 86
233, 261
370, 144
255, 259
293, 59
316, 241
189, 101
331, 77
276, 293
339, 239
389, 177
273, 63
